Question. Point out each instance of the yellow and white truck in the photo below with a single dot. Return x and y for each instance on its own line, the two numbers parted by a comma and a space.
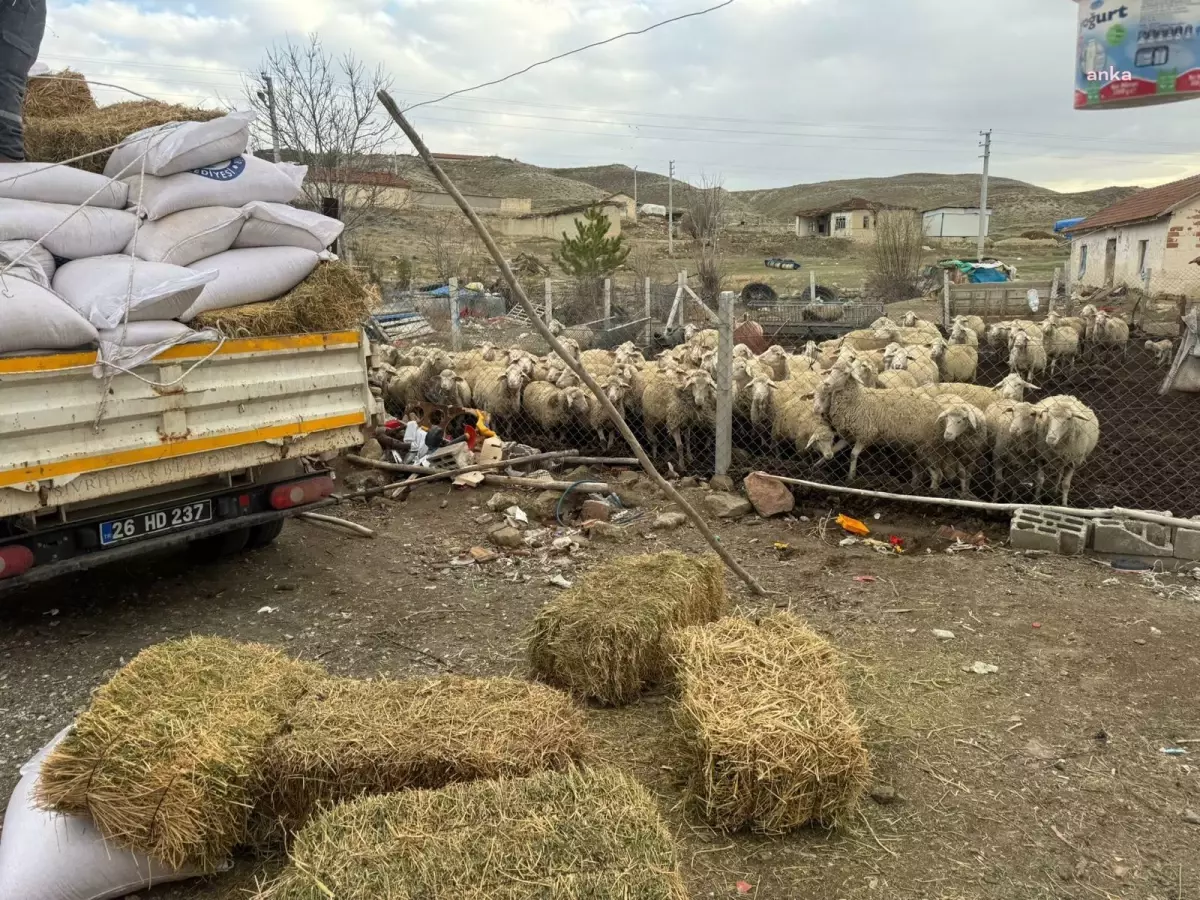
208, 442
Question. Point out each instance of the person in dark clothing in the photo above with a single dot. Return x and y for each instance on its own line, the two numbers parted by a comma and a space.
22, 24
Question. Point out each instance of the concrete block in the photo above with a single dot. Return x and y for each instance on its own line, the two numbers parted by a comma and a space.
1187, 543
1133, 538
1033, 529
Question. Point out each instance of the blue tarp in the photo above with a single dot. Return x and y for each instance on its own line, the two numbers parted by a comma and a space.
987, 276
1063, 224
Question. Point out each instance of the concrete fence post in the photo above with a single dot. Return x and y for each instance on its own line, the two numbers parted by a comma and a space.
1054, 289
607, 301
946, 298
455, 318
649, 317
812, 285
724, 423
549, 302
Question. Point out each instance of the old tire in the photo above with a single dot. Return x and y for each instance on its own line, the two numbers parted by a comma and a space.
264, 534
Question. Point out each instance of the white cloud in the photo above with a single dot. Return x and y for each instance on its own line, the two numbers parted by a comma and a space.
788, 90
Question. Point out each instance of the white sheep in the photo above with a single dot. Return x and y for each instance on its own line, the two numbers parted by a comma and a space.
1061, 343
971, 323
1067, 433
1027, 357
866, 417
1164, 351
920, 366
1010, 425
776, 359
962, 444
1011, 387
1076, 323
961, 334
1111, 332
597, 362
677, 405
616, 389
449, 389
796, 422
1088, 315
955, 362
408, 386
499, 392
550, 408
911, 320
865, 374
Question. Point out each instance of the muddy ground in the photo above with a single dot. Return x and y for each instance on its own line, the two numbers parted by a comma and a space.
1044, 780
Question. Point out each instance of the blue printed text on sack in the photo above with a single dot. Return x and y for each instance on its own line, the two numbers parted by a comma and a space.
223, 171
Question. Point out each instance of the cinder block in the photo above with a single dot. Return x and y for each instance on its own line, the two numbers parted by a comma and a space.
1035, 529
1187, 543
1131, 537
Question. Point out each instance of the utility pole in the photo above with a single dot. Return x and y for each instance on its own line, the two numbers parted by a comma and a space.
671, 208
270, 90
983, 192
635, 168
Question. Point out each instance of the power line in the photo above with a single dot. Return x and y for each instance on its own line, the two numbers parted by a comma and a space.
544, 62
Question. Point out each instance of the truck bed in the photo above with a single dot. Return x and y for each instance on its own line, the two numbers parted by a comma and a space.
254, 402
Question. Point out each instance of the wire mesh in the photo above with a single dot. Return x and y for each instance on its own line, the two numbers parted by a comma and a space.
971, 410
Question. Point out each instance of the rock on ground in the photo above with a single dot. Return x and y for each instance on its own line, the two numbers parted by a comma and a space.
670, 520
769, 497
503, 500
727, 506
507, 536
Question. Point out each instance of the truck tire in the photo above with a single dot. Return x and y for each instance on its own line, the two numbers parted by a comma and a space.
227, 543
265, 534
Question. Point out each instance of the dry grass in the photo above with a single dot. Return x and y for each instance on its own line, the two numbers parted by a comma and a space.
165, 758
68, 136
767, 721
334, 297
350, 738
56, 94
607, 637
577, 835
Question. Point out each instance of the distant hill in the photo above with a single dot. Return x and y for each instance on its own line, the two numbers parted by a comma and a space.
651, 186
495, 177
1017, 204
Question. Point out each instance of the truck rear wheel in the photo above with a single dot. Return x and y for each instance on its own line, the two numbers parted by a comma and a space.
264, 534
227, 543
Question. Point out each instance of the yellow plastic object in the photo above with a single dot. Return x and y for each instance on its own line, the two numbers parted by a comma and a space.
853, 526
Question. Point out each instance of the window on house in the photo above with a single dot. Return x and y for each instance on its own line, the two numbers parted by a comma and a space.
1082, 259
1143, 247
866, 222
839, 224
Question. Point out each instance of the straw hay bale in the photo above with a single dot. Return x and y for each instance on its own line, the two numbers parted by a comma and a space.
66, 137
766, 717
607, 637
333, 298
555, 836
56, 94
165, 757
348, 738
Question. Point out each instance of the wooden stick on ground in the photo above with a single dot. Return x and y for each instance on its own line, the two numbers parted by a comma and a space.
338, 523
583, 487
519, 292
403, 469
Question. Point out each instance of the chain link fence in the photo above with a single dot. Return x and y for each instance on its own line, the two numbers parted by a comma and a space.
968, 405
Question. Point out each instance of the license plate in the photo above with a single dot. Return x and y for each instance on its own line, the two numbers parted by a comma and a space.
120, 530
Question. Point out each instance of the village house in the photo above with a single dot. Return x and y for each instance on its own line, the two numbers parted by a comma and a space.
854, 219
1146, 240
553, 223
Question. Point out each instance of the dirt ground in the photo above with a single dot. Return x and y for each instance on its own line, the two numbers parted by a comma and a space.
1046, 779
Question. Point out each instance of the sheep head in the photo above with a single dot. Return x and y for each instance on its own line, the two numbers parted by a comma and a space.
488, 351
690, 331
515, 377
572, 347
616, 389
761, 388
909, 319
960, 418
825, 442
577, 401
864, 373
1012, 387
937, 349
773, 355
900, 360
741, 351
811, 350
958, 334
1056, 422
702, 390
1088, 313
447, 382
741, 374
1024, 418
567, 379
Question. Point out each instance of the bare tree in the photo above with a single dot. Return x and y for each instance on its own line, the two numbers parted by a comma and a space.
704, 220
895, 260
328, 119
450, 243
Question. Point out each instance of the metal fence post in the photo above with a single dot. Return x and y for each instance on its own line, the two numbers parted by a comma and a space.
1054, 288
455, 319
812, 285
724, 421
649, 317
607, 301
946, 298
549, 302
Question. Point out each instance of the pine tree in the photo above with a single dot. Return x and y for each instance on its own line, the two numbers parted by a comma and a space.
591, 253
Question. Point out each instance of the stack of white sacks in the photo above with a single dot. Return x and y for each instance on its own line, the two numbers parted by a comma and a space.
182, 222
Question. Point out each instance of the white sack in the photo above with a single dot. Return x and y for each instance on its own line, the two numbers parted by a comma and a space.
46, 856
180, 146
251, 276
280, 225
35, 318
52, 183
77, 233
234, 182
36, 262
100, 288
184, 237
136, 343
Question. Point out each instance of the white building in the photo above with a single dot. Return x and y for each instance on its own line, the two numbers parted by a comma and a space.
1147, 240
953, 222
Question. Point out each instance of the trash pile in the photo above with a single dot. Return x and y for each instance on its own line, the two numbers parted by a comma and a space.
183, 227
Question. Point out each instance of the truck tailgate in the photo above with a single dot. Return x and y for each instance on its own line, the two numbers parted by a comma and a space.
255, 401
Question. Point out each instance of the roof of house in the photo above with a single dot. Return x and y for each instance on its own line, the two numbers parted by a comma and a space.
849, 205
567, 210
356, 176
1144, 206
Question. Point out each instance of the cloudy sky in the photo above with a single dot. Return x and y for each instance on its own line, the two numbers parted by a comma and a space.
761, 93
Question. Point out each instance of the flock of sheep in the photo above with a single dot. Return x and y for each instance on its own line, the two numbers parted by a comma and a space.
896, 385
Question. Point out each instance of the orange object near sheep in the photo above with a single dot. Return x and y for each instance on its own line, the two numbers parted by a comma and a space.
853, 526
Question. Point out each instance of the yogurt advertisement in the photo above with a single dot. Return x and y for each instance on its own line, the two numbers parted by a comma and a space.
1137, 53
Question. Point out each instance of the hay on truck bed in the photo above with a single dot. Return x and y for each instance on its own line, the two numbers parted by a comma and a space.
608, 636
349, 738
165, 757
767, 720
576, 835
55, 94
63, 137
333, 298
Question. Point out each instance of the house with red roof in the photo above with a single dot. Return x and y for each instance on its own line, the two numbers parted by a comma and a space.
1147, 240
